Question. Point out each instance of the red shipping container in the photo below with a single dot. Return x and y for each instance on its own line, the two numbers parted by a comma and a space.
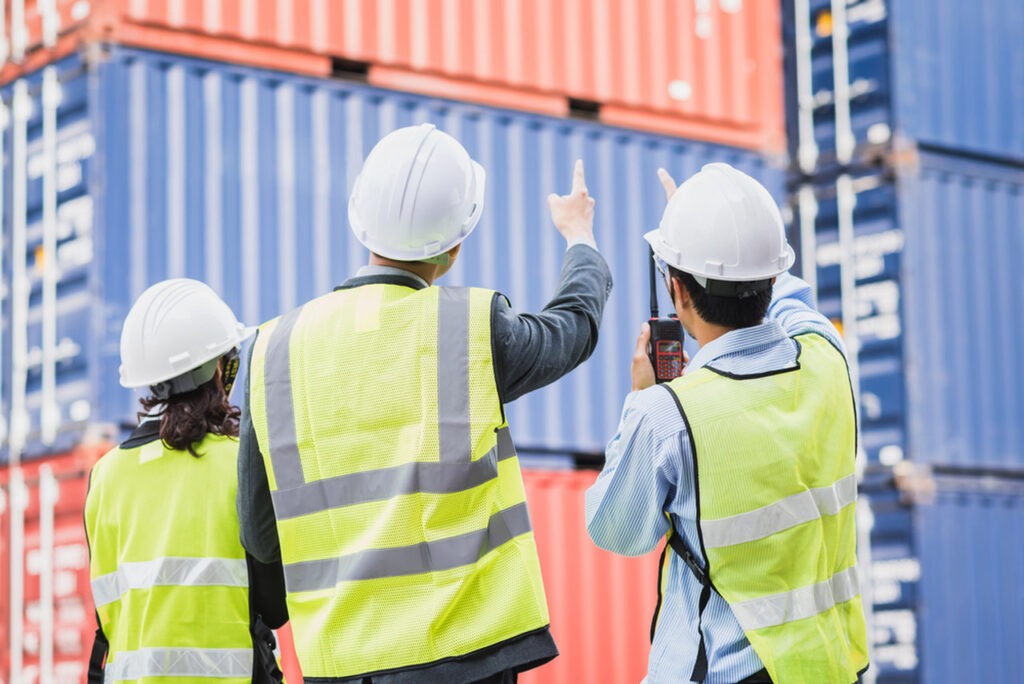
74, 616
706, 69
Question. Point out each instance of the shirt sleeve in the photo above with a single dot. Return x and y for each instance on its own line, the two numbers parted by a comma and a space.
794, 308
256, 522
625, 508
534, 350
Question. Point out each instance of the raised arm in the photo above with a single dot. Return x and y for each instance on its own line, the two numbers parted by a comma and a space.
793, 306
533, 350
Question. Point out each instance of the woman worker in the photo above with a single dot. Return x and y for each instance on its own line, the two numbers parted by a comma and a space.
176, 595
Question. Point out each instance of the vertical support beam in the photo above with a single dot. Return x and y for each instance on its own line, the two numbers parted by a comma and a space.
22, 106
807, 206
19, 31
807, 146
49, 494
49, 412
846, 200
5, 290
845, 142
18, 495
865, 572
51, 22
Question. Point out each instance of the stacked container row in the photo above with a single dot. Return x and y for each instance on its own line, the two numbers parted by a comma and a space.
168, 167
709, 69
942, 577
907, 191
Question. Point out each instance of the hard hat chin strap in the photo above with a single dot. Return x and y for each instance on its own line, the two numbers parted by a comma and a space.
186, 382
730, 288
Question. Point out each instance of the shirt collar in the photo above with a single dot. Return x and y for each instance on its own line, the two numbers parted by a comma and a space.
390, 275
738, 341
372, 270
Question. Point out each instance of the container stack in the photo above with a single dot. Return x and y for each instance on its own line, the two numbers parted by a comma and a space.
219, 139
907, 193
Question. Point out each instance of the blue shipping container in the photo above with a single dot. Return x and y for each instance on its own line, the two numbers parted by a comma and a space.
174, 167
942, 73
943, 579
935, 256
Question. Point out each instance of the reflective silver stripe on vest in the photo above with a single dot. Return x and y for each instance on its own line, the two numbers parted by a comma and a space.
431, 556
385, 483
179, 662
277, 379
781, 515
805, 602
454, 435
169, 571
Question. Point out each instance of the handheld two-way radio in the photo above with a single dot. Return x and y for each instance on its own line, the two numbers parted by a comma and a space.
666, 346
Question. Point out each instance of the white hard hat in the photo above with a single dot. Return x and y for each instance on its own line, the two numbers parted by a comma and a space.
723, 225
174, 328
419, 194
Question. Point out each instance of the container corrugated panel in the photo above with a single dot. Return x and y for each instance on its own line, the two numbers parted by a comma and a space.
240, 177
964, 245
936, 264
868, 63
941, 73
959, 70
74, 615
944, 578
707, 70
972, 617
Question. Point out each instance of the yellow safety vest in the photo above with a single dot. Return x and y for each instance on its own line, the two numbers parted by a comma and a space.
774, 459
400, 506
169, 575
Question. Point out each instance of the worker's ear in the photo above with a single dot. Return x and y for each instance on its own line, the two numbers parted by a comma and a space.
680, 295
452, 253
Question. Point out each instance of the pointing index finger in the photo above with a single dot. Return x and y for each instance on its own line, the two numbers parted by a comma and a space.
579, 184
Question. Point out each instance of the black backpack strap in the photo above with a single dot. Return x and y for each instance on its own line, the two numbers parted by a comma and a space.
675, 540
98, 655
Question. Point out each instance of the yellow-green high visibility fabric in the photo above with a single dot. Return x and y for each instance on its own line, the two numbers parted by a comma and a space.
774, 459
168, 573
399, 502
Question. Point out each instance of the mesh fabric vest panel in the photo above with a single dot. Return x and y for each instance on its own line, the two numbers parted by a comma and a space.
775, 487
400, 505
168, 572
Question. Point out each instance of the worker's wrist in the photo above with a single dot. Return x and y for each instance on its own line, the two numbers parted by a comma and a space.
581, 239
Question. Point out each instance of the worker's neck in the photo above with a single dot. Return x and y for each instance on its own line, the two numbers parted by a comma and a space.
424, 270
705, 332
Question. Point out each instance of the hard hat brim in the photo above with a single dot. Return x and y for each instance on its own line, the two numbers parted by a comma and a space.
244, 333
674, 258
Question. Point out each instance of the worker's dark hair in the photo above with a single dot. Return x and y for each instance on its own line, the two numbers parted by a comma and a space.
732, 312
188, 417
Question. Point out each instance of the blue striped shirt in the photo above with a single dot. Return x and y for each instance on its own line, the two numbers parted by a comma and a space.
649, 469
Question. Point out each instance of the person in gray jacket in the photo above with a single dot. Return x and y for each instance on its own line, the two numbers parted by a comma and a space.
418, 197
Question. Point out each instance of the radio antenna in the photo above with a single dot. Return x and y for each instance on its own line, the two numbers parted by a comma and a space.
654, 286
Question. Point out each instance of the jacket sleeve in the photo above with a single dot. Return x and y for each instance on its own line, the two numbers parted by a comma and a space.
256, 521
534, 350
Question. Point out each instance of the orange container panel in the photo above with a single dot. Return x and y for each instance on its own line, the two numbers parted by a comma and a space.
704, 69
74, 615
601, 604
